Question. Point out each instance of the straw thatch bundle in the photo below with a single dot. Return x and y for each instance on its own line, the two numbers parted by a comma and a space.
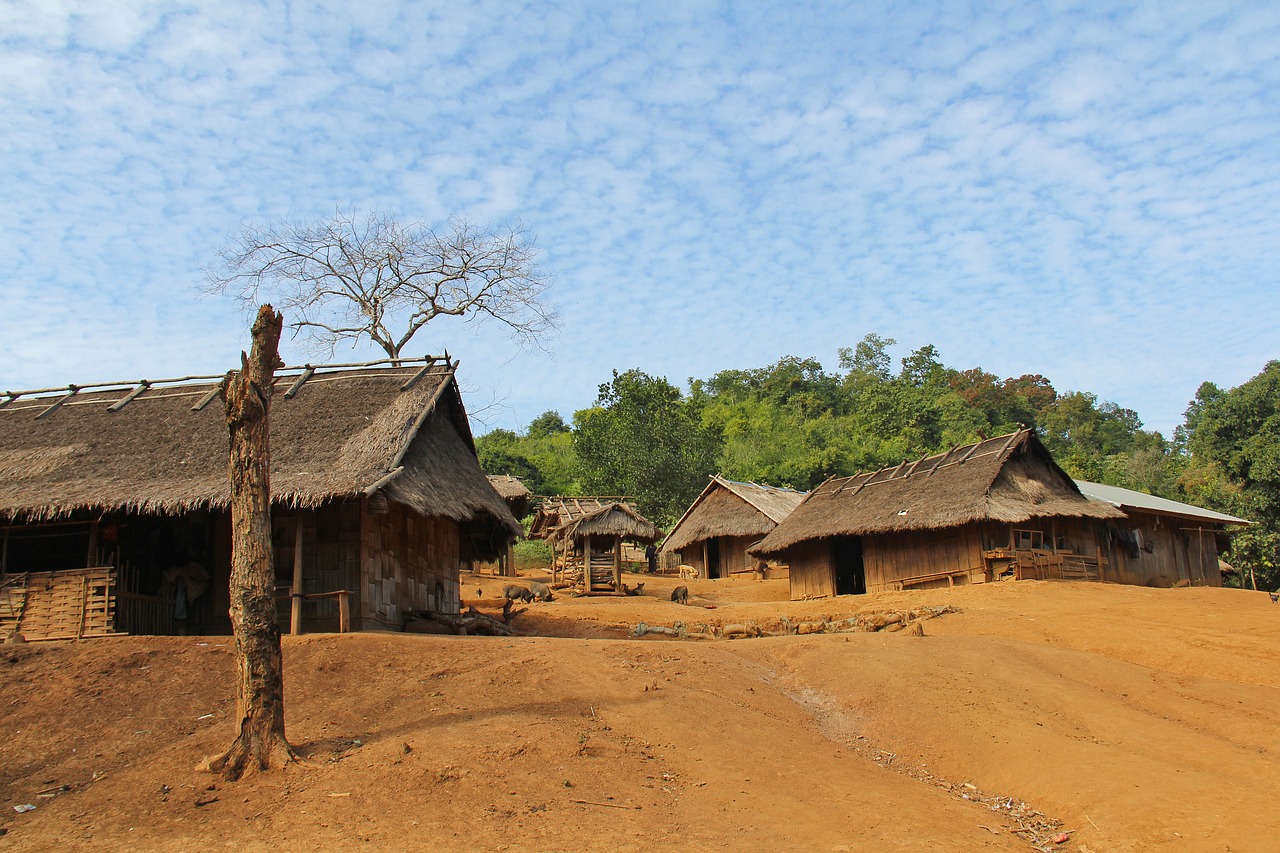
1009, 479
343, 432
730, 508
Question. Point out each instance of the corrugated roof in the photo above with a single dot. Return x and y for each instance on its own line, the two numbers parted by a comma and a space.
1130, 499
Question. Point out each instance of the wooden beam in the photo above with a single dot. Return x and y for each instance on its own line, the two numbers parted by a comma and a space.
133, 395
299, 382
10, 396
206, 399
413, 380
422, 417
57, 404
382, 481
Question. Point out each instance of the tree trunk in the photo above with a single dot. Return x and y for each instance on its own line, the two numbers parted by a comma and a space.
261, 742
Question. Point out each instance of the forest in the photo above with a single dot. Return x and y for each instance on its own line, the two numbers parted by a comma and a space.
794, 423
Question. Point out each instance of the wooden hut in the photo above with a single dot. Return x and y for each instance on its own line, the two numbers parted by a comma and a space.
586, 536
514, 492
1162, 542
1000, 507
113, 502
519, 500
715, 531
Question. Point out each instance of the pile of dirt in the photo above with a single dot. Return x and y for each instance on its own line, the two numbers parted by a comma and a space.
1124, 719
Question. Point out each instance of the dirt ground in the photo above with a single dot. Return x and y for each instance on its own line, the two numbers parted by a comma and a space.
1127, 719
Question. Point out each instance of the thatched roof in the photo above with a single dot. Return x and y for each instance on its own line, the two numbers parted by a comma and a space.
572, 518
514, 492
730, 508
1008, 479
339, 434
511, 488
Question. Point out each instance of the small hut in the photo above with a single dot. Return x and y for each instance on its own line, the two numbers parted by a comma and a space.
586, 536
715, 531
1000, 507
114, 502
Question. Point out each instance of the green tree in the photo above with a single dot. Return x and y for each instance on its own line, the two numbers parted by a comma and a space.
643, 438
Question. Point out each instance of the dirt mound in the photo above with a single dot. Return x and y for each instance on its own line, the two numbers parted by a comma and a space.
1130, 719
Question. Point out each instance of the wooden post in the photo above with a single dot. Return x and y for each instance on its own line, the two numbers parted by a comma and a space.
510, 567
617, 564
295, 624
706, 562
586, 563
91, 558
344, 611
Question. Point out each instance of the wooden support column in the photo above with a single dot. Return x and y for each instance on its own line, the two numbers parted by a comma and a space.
510, 567
617, 564
344, 611
706, 561
586, 564
91, 558
295, 625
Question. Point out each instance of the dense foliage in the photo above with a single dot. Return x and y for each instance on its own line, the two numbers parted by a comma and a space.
794, 424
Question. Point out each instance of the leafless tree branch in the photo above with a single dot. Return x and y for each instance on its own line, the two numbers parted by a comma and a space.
345, 278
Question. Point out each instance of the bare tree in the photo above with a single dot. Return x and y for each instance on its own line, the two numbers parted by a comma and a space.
348, 278
260, 742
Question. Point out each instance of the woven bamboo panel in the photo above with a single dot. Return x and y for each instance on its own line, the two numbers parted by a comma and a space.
61, 605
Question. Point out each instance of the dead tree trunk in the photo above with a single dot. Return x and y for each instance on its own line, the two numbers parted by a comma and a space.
260, 743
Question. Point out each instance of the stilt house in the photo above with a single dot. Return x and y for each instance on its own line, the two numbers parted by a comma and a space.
715, 531
977, 512
586, 536
114, 502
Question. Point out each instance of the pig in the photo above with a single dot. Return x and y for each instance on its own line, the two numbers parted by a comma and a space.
515, 592
680, 595
540, 591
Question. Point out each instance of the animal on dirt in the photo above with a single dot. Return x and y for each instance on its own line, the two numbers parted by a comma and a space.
541, 592
516, 592
680, 595
688, 573
639, 590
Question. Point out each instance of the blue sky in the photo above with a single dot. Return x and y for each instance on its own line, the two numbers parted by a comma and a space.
1083, 191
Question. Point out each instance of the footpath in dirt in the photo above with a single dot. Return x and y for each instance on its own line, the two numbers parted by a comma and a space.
1065, 716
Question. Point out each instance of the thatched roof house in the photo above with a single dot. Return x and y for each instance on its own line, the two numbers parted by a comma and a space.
941, 519
375, 485
715, 531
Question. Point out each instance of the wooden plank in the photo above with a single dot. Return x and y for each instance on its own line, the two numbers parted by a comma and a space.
57, 404
413, 380
299, 382
133, 395
206, 399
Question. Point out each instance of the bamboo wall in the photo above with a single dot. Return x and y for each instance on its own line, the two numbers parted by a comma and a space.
407, 563
733, 557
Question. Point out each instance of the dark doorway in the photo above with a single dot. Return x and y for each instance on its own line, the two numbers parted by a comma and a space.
713, 558
846, 557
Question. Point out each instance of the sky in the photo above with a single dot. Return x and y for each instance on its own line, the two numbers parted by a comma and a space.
1086, 191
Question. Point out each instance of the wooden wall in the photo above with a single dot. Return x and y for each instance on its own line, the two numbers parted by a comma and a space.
1174, 550
812, 575
407, 562
888, 560
733, 556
